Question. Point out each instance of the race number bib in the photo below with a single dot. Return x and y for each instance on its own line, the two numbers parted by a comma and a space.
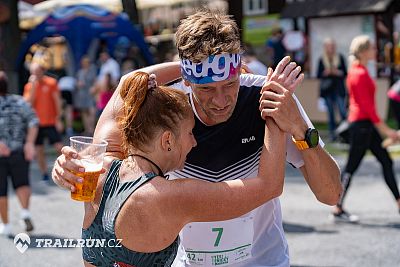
219, 243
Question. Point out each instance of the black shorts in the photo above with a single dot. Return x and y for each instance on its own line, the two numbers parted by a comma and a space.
67, 97
50, 132
16, 167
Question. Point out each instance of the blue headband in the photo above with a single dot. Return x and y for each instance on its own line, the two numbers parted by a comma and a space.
215, 68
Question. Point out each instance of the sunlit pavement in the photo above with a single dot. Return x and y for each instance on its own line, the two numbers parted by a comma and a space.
313, 239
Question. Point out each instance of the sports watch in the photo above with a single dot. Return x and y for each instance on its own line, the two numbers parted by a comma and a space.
311, 139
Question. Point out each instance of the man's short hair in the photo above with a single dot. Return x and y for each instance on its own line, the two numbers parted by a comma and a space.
207, 33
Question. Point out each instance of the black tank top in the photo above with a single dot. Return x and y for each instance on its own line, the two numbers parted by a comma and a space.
112, 254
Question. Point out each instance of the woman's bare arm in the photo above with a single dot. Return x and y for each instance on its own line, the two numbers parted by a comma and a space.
195, 200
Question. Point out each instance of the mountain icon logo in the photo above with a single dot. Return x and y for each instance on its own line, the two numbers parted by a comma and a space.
22, 242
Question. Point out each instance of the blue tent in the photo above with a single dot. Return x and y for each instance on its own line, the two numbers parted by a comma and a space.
80, 25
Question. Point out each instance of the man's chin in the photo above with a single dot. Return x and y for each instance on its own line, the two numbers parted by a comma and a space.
220, 118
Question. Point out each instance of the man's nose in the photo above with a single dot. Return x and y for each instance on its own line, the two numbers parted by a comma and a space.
219, 98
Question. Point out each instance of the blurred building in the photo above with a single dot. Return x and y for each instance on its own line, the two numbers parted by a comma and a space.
342, 20
306, 23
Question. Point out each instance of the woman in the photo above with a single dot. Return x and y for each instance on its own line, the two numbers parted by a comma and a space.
83, 99
138, 204
332, 72
103, 91
366, 126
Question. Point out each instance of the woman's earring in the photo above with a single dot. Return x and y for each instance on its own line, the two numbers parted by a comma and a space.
169, 149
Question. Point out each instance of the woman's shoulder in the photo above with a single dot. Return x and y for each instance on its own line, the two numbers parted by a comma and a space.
358, 71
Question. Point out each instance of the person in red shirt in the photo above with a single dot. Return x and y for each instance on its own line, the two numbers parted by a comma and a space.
366, 127
43, 94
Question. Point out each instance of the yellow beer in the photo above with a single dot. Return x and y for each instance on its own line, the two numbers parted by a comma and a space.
91, 154
86, 190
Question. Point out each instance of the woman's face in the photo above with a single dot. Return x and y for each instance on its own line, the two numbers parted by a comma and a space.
85, 63
370, 53
183, 143
330, 48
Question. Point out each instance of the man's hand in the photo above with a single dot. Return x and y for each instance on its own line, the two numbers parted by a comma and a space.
278, 103
59, 125
29, 151
33, 78
245, 68
4, 150
286, 74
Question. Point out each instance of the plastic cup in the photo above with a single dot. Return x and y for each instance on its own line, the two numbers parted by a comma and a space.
90, 155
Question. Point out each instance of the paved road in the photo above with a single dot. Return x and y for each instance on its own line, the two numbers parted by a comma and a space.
313, 239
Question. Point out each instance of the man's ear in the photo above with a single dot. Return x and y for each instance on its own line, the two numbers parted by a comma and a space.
186, 83
167, 140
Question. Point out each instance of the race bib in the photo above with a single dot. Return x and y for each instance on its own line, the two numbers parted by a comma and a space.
218, 243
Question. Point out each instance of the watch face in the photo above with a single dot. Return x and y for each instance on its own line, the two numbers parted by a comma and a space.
312, 137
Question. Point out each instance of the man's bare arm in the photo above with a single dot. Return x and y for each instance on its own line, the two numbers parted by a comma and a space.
322, 175
320, 169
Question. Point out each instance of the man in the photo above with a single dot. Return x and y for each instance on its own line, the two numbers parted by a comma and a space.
67, 86
229, 133
256, 67
43, 94
108, 65
18, 124
274, 46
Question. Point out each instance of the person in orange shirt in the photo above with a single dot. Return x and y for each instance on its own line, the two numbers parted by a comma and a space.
43, 94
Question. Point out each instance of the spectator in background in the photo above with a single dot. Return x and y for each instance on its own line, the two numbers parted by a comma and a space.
19, 127
67, 86
256, 66
103, 91
84, 100
332, 72
366, 126
132, 61
394, 97
275, 48
43, 94
109, 65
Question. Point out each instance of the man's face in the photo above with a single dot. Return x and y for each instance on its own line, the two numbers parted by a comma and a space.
216, 100
37, 70
103, 57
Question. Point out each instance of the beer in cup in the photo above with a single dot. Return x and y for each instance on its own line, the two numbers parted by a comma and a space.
90, 156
